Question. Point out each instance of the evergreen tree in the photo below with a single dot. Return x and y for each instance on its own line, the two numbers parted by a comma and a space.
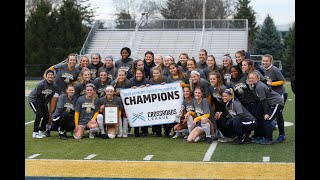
124, 21
192, 9
268, 40
71, 32
289, 55
244, 11
37, 32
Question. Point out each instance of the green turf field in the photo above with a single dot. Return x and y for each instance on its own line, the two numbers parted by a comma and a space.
162, 149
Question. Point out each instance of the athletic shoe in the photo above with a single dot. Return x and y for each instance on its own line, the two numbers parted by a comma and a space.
119, 135
280, 139
225, 139
48, 134
91, 135
63, 136
41, 134
238, 141
36, 135
124, 135
266, 142
255, 139
104, 136
176, 136
208, 140
262, 139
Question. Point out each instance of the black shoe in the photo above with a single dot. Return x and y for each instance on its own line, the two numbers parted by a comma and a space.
142, 135
104, 136
63, 136
159, 135
48, 133
208, 140
238, 141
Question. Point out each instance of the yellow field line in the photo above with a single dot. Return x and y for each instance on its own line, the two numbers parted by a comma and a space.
157, 169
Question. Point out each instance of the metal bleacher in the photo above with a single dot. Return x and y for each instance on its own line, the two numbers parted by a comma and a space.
166, 41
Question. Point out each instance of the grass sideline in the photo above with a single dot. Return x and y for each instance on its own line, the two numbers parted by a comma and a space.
163, 149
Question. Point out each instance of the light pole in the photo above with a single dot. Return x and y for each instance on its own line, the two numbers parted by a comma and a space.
144, 14
203, 22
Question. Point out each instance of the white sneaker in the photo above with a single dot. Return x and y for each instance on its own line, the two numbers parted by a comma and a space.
41, 134
124, 135
91, 135
119, 135
36, 135
176, 136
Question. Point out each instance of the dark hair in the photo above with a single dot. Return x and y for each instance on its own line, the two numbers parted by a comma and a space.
128, 50
49, 71
149, 52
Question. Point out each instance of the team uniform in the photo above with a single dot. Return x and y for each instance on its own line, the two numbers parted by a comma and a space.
64, 76
116, 101
87, 108
200, 110
273, 73
38, 101
112, 71
81, 88
272, 104
247, 98
242, 121
63, 116
94, 69
124, 64
101, 86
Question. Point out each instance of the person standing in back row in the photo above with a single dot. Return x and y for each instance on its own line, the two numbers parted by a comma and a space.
125, 62
275, 79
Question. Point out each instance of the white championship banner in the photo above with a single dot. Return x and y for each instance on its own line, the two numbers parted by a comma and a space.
153, 105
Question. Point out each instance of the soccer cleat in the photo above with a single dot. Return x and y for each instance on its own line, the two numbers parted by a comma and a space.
48, 134
124, 135
208, 140
63, 136
119, 135
280, 139
36, 135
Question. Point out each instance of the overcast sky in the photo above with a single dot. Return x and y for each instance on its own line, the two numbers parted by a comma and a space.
282, 11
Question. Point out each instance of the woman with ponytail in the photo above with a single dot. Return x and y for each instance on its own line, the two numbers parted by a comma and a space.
242, 121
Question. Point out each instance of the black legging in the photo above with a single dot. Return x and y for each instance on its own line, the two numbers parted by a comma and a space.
65, 122
41, 111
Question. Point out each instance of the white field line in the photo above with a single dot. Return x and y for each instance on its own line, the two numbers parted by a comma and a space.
265, 159
148, 157
33, 156
90, 156
28, 122
199, 162
210, 151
